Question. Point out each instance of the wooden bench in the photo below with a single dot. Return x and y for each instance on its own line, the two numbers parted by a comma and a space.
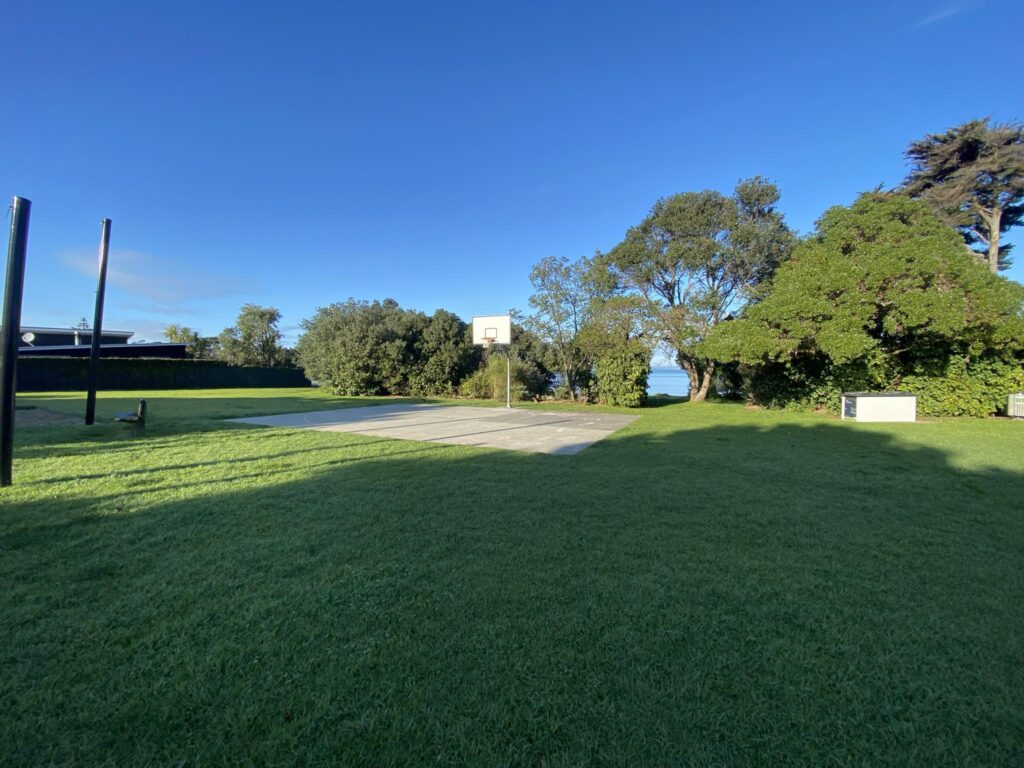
136, 418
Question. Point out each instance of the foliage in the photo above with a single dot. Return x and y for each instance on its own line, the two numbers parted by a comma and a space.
533, 352
254, 339
977, 388
490, 380
619, 341
882, 291
973, 177
199, 347
561, 303
700, 255
361, 348
531, 378
622, 375
444, 354
480, 385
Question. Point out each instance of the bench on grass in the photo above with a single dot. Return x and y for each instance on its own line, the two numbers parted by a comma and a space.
136, 418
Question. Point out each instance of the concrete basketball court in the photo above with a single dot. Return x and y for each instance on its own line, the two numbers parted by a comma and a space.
511, 429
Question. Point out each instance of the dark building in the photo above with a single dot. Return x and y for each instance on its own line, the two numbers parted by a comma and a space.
76, 342
34, 337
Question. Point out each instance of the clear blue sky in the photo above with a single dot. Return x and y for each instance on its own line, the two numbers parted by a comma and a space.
297, 154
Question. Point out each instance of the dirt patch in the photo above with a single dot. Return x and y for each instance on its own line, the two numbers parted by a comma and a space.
40, 417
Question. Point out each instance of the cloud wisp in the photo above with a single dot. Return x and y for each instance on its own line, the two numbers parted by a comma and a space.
947, 11
160, 285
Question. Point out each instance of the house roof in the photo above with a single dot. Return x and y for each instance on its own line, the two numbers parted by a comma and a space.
44, 329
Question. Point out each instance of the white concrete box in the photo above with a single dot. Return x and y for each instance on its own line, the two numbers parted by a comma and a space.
880, 406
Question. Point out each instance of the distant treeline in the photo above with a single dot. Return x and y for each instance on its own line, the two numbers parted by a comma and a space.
379, 348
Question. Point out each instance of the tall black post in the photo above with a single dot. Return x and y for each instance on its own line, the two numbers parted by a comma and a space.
11, 331
97, 325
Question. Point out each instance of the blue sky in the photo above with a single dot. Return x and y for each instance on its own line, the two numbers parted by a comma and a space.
297, 154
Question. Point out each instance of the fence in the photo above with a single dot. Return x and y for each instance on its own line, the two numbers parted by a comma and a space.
61, 374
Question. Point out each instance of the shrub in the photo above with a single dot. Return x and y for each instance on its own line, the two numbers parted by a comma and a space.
488, 382
622, 376
966, 388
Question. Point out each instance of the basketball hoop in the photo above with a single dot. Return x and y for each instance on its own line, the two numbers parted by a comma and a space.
496, 329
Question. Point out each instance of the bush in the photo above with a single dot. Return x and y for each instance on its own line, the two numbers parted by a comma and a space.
953, 387
488, 382
477, 385
357, 348
622, 376
966, 389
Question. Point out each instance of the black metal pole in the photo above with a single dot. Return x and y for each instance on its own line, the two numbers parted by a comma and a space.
11, 331
97, 325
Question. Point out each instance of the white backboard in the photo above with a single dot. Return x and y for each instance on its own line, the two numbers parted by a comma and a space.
497, 327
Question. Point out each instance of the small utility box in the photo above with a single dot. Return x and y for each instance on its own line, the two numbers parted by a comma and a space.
1015, 406
880, 406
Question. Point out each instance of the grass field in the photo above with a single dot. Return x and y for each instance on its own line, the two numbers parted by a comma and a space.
709, 586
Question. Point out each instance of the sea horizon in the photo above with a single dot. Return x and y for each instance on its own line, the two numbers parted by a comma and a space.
667, 380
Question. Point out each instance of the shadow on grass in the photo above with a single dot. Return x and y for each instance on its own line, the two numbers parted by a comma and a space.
660, 401
728, 595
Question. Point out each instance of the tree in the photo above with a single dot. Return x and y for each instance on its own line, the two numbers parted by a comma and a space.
973, 178
253, 340
199, 347
618, 341
882, 292
561, 302
700, 255
445, 355
362, 348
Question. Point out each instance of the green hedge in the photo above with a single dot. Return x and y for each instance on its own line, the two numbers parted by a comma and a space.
622, 376
953, 387
56, 374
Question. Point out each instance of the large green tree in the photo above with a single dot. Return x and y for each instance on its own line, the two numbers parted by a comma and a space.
701, 256
445, 355
973, 177
254, 340
379, 348
362, 348
881, 292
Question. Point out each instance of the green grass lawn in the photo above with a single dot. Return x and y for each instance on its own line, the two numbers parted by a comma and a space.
709, 586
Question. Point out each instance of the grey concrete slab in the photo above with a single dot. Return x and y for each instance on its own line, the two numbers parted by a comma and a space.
515, 429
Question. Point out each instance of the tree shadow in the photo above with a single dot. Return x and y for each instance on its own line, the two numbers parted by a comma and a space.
795, 594
660, 401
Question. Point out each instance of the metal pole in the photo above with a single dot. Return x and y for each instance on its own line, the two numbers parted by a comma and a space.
508, 376
11, 331
97, 325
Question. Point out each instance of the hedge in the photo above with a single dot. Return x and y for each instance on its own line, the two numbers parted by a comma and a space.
57, 374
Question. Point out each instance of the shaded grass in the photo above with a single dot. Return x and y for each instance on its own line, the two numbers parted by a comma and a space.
710, 585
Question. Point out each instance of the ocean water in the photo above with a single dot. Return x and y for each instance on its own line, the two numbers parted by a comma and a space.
664, 380
667, 380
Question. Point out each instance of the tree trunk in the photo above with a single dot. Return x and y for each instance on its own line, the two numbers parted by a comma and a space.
705, 385
993, 241
691, 376
699, 376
